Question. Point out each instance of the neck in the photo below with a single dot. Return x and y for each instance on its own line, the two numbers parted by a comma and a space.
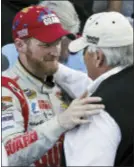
102, 70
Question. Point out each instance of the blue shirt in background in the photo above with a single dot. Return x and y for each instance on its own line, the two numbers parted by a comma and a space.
76, 61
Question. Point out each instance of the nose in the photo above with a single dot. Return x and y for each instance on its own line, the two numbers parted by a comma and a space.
55, 51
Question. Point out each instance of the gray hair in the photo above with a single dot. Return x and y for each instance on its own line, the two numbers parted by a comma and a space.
66, 13
117, 55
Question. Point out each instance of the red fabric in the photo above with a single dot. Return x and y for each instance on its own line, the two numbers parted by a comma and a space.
53, 157
14, 87
32, 22
21, 142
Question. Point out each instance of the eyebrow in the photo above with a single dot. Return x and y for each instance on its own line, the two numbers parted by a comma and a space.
49, 44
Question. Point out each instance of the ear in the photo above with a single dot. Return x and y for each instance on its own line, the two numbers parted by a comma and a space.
99, 58
20, 45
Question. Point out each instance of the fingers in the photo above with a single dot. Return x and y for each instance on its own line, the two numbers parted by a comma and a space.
91, 107
85, 114
90, 100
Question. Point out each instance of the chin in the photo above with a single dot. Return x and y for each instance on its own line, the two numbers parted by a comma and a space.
51, 71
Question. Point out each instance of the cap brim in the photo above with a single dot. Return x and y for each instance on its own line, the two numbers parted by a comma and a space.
77, 45
50, 34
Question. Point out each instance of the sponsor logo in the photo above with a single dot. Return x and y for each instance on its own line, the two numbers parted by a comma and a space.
50, 19
31, 94
20, 142
33, 107
7, 127
22, 33
6, 106
36, 123
93, 40
59, 94
6, 98
44, 104
63, 106
7, 121
7, 117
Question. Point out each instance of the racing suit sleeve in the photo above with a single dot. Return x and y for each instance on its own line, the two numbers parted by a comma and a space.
25, 147
75, 83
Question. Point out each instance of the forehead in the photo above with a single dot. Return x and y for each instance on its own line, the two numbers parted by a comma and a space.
43, 43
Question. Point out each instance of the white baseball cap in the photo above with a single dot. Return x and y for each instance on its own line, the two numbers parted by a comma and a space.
106, 29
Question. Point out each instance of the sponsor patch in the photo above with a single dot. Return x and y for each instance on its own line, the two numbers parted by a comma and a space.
20, 142
6, 105
7, 121
31, 94
63, 106
7, 127
93, 40
22, 33
34, 108
44, 104
59, 94
48, 19
6, 98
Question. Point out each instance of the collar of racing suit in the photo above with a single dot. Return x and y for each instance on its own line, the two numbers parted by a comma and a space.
42, 86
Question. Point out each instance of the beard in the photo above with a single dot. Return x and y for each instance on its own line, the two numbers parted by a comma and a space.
45, 66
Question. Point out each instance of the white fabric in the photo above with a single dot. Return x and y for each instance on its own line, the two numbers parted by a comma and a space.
106, 29
4, 156
95, 143
75, 83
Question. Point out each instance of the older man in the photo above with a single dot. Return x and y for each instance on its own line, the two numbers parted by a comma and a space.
108, 42
32, 105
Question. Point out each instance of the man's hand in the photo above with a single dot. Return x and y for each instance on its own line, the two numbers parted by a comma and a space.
79, 111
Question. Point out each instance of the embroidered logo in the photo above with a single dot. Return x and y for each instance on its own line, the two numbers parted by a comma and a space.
93, 40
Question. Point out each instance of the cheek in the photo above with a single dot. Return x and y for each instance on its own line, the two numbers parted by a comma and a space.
89, 64
86, 60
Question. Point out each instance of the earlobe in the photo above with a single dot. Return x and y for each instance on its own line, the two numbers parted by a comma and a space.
19, 45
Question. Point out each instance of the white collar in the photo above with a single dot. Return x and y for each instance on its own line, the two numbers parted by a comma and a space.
92, 88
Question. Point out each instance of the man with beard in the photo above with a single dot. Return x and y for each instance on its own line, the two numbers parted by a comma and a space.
34, 114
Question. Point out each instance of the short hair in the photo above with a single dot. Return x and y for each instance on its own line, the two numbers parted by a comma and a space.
66, 13
117, 55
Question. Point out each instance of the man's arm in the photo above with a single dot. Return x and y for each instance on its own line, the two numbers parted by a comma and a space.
93, 144
75, 83
25, 147
114, 5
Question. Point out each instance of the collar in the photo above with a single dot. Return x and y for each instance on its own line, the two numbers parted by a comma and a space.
92, 88
42, 86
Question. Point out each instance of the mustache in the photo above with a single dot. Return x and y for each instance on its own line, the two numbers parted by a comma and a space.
49, 58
